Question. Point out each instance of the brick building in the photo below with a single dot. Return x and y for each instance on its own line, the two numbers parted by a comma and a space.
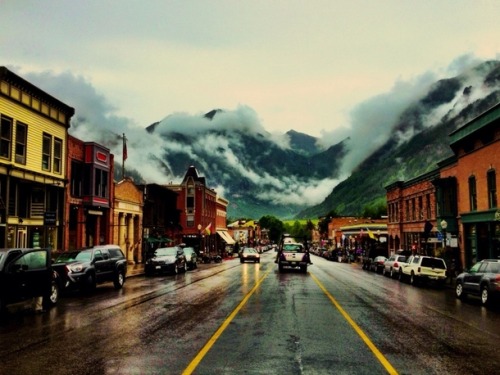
197, 205
89, 195
476, 146
410, 205
459, 199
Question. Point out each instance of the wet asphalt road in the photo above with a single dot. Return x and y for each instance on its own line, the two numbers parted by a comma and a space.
234, 318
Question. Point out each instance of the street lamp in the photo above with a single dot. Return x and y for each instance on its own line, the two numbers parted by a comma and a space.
199, 239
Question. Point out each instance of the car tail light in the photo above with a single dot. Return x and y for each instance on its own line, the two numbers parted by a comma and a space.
395, 265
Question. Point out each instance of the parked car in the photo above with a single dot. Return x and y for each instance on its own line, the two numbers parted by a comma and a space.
166, 259
423, 268
377, 264
25, 274
249, 254
191, 258
84, 269
483, 280
391, 265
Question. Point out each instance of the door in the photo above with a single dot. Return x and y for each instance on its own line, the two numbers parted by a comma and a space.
22, 237
29, 275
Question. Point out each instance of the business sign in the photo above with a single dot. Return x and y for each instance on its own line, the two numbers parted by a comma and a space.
49, 218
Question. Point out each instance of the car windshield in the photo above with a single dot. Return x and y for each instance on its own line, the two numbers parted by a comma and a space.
401, 258
165, 251
249, 250
493, 267
75, 256
292, 248
433, 263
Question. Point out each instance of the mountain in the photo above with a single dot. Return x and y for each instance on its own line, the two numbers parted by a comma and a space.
456, 101
397, 136
255, 173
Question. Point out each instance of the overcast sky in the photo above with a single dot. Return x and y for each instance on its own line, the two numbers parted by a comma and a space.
302, 65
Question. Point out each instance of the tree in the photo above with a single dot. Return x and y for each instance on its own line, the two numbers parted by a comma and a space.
324, 221
274, 225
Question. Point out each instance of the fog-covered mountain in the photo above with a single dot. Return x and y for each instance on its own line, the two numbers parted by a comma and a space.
396, 135
420, 139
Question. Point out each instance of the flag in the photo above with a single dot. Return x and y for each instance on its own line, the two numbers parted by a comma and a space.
124, 147
208, 229
370, 234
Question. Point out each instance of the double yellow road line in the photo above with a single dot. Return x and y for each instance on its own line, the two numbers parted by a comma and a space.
201, 354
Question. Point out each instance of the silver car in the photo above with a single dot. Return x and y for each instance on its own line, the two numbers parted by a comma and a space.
392, 265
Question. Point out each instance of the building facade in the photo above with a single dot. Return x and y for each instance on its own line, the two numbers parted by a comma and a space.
197, 205
127, 220
32, 179
160, 218
89, 195
476, 146
453, 211
410, 205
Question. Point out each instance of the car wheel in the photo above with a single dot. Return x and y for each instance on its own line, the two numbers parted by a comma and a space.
54, 293
391, 273
485, 296
413, 279
119, 280
400, 276
459, 291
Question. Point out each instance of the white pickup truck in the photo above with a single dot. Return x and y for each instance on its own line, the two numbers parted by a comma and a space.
293, 255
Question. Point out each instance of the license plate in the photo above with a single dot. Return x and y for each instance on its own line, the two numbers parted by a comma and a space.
158, 267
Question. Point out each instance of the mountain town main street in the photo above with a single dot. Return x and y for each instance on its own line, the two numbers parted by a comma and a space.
232, 318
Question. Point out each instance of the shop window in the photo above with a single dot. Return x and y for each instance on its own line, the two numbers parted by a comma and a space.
58, 155
5, 137
472, 193
46, 152
21, 139
492, 189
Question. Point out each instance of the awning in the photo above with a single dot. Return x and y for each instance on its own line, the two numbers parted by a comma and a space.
226, 237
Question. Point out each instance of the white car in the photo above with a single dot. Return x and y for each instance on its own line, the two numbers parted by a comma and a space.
423, 268
392, 265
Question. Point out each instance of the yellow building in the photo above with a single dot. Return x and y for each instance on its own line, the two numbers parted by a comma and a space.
33, 146
127, 230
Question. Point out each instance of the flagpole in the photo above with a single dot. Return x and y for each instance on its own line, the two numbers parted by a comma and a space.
124, 156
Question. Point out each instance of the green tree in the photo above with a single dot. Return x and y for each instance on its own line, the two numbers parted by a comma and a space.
375, 210
274, 225
324, 221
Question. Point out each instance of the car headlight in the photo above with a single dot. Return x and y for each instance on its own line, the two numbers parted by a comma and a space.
76, 268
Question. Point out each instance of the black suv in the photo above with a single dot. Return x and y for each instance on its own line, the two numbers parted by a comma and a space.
27, 273
483, 280
85, 268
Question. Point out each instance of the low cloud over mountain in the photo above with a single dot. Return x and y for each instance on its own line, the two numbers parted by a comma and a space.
267, 173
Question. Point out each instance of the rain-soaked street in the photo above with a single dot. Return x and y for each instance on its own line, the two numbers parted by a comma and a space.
233, 318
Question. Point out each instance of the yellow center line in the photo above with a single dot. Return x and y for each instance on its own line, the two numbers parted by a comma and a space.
359, 331
201, 354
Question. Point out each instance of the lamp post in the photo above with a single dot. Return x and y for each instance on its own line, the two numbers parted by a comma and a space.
444, 225
199, 238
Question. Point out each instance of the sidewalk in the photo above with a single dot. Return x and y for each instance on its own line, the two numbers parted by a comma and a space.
135, 270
